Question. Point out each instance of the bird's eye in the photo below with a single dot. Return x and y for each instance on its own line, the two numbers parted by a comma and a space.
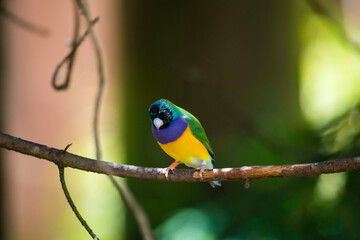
165, 114
154, 110
162, 112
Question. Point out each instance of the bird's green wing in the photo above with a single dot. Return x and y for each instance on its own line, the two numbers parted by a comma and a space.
195, 126
198, 131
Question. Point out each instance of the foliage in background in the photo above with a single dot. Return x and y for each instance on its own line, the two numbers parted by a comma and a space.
272, 83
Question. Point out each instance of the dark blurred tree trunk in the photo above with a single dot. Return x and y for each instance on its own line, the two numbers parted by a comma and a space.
233, 64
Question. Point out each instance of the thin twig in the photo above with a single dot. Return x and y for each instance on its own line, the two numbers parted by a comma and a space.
125, 193
28, 26
69, 58
71, 203
181, 175
100, 91
139, 213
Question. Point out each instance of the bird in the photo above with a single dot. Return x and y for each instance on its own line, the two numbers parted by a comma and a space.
181, 136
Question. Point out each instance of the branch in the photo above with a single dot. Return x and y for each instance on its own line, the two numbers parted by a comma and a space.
22, 22
136, 209
70, 58
72, 205
126, 194
83, 6
65, 159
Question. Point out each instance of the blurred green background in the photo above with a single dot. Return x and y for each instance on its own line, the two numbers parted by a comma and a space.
272, 82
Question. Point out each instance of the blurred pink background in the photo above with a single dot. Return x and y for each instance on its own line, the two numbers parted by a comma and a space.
34, 111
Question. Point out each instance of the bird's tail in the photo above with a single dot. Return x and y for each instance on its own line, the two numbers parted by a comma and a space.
214, 184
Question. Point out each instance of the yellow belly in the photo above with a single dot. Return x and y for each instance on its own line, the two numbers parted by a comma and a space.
188, 150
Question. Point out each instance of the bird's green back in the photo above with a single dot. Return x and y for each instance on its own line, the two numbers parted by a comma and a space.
195, 126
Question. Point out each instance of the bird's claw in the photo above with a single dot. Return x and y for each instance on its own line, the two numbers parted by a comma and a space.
168, 169
202, 169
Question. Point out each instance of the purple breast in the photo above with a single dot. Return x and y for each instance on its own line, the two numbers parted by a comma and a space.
172, 132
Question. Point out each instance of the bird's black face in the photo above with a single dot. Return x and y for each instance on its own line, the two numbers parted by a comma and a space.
161, 116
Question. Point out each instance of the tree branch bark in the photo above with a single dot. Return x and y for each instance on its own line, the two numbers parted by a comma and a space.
65, 159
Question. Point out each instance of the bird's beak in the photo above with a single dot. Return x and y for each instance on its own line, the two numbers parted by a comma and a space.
158, 123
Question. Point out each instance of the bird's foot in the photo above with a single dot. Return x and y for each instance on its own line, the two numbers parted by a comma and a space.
202, 168
170, 168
